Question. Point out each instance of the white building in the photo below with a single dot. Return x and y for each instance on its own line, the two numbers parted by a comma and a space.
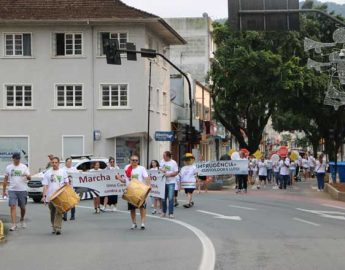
57, 93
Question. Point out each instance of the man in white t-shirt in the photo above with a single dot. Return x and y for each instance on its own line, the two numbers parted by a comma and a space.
16, 177
284, 172
135, 171
53, 179
170, 169
262, 165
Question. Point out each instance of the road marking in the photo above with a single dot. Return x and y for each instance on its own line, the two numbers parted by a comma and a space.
326, 214
242, 207
215, 215
307, 222
208, 258
333, 206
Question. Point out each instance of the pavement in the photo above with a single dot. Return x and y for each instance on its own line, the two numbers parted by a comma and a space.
298, 228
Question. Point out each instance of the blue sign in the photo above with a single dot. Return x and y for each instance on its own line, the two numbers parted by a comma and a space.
165, 136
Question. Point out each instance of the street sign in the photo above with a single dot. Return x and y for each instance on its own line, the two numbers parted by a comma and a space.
165, 136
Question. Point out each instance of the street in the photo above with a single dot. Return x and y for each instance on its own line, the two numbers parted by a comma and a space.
264, 229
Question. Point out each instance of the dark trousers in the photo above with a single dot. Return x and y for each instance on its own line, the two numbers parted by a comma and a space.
269, 175
72, 213
284, 179
320, 180
242, 181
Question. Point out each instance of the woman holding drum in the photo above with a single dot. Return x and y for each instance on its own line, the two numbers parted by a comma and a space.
135, 171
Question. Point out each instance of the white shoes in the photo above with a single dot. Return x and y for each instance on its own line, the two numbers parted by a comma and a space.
134, 226
13, 228
23, 225
113, 208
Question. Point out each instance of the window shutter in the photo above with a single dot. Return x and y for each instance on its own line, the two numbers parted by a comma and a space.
27, 44
60, 44
105, 38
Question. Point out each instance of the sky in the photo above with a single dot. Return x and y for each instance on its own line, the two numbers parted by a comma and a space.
188, 8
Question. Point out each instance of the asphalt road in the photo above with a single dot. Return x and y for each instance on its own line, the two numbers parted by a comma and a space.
265, 229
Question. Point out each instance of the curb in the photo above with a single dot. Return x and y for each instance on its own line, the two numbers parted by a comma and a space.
335, 194
2, 235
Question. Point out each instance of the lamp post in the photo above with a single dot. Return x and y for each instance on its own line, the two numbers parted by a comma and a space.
113, 54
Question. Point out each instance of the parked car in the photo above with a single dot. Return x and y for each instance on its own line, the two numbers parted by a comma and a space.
81, 163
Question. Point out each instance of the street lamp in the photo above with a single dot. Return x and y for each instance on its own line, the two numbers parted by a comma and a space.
113, 53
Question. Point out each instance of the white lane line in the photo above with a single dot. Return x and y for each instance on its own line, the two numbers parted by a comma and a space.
307, 222
216, 215
333, 206
242, 207
208, 258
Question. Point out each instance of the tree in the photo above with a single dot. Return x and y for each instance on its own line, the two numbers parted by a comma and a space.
251, 71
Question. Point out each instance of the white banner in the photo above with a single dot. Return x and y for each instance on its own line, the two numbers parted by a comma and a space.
103, 183
223, 167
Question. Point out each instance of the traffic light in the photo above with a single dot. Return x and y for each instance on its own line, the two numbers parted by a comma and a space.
112, 52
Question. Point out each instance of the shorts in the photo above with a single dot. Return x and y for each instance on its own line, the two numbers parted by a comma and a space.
262, 177
112, 199
189, 190
175, 193
133, 207
19, 198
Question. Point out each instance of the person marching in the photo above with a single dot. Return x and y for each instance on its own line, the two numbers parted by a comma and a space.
242, 178
110, 200
53, 179
284, 172
262, 165
69, 169
188, 178
16, 176
320, 170
135, 171
154, 165
96, 199
170, 169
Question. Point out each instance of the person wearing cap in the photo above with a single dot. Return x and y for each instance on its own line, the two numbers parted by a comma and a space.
16, 177
188, 178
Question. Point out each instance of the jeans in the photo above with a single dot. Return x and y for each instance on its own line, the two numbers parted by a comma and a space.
269, 175
320, 180
72, 213
284, 179
169, 194
277, 177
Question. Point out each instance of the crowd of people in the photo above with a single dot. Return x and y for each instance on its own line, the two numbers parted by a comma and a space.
17, 175
281, 172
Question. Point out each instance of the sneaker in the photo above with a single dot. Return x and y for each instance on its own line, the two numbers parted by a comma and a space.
186, 206
171, 216
64, 218
58, 232
98, 211
154, 211
142, 227
318, 190
192, 203
13, 228
176, 204
134, 226
72, 218
102, 208
23, 225
163, 215
113, 208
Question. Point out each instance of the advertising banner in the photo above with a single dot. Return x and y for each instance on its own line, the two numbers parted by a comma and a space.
212, 168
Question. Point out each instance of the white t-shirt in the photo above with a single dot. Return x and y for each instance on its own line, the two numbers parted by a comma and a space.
138, 173
170, 167
276, 167
255, 165
188, 176
69, 171
262, 168
305, 163
320, 168
269, 164
113, 168
284, 167
54, 179
311, 161
16, 178
293, 166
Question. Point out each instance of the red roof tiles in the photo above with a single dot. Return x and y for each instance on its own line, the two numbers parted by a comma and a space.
69, 10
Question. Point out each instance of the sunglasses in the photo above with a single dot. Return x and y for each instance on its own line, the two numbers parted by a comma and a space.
134, 160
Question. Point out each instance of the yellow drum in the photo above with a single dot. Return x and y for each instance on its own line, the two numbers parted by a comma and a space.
65, 199
136, 193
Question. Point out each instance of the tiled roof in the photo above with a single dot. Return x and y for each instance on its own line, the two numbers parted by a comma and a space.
69, 10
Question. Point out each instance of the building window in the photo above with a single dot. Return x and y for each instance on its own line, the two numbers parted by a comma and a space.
122, 38
72, 145
69, 96
68, 44
18, 96
18, 44
165, 103
114, 95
